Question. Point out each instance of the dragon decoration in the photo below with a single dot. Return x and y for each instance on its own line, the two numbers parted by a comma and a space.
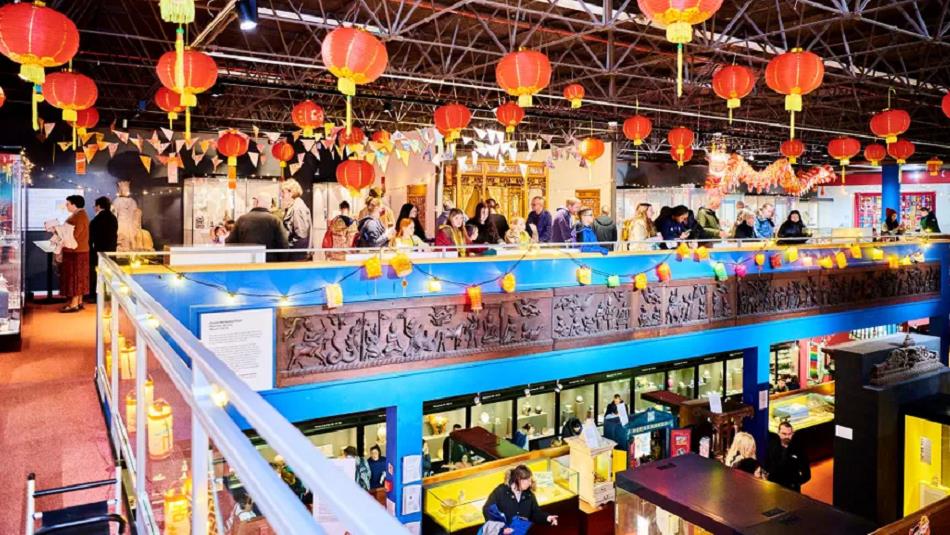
728, 170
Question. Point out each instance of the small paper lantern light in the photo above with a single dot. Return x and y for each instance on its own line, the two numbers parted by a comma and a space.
776, 261
176, 505
791, 254
874, 153
733, 83
808, 261
127, 361
574, 93
401, 265
433, 285
663, 272
760, 259
934, 165
906, 261
509, 283
856, 252
510, 115
307, 115
701, 253
877, 254
474, 294
159, 427
233, 145
640, 281
741, 270
682, 251
334, 295
584, 276
719, 269
893, 261
841, 260
373, 268
613, 281
826, 262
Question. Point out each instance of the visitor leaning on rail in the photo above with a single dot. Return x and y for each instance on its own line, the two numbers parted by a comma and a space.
793, 231
372, 232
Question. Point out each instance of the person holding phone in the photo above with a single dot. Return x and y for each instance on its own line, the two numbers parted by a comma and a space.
514, 504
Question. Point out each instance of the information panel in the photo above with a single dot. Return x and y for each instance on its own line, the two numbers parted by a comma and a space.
44, 204
244, 340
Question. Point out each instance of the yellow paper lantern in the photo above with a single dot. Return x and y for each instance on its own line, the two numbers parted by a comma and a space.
701, 253
841, 260
401, 265
856, 252
663, 272
334, 293
760, 259
176, 506
640, 281
682, 251
433, 285
906, 261
474, 297
893, 261
159, 427
791, 254
373, 268
130, 405
127, 358
584, 275
508, 283
826, 262
877, 254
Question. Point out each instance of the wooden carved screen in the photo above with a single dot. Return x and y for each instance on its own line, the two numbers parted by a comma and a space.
512, 185
416, 196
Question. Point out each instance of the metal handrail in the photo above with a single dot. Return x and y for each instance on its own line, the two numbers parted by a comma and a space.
356, 509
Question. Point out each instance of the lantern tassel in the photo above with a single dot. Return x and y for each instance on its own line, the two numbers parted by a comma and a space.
730, 115
636, 158
188, 124
36, 100
349, 113
74, 138
679, 70
180, 57
792, 133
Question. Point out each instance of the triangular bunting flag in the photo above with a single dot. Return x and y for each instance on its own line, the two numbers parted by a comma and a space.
315, 150
549, 162
112, 148
205, 143
294, 167
179, 143
64, 145
547, 138
532, 144
327, 143
512, 153
48, 127
397, 135
154, 139
137, 141
90, 152
404, 156
112, 126
169, 133
146, 162
480, 133
162, 159
161, 147
255, 157
100, 136
123, 136
257, 131
371, 157
260, 148
466, 140
308, 144
383, 161
191, 142
102, 145
339, 151
215, 162
474, 159
524, 170
85, 137
300, 158
501, 161
272, 136
296, 136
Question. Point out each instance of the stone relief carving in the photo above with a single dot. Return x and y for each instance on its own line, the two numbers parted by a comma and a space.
904, 363
591, 314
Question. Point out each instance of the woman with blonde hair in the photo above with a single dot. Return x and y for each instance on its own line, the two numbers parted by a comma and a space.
642, 227
406, 237
741, 455
297, 219
517, 235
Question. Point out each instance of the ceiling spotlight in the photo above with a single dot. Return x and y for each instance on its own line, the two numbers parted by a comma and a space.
527, 392
247, 13
478, 399
558, 387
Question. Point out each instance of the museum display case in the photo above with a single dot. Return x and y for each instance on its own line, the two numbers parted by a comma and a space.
12, 235
537, 410
456, 504
436, 427
594, 464
209, 202
804, 408
650, 382
606, 391
926, 452
783, 361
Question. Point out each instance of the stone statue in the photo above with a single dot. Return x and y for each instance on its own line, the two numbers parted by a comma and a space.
131, 235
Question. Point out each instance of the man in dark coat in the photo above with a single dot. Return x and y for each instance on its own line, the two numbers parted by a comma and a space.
260, 227
103, 236
785, 460
605, 228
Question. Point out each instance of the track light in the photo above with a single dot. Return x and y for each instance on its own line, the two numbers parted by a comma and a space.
478, 399
247, 13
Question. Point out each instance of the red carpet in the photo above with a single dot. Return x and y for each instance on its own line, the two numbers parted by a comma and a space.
821, 485
50, 421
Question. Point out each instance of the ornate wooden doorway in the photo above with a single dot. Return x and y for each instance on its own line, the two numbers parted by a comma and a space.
512, 185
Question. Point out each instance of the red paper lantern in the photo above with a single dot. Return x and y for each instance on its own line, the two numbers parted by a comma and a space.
85, 119
678, 17
794, 74
36, 37
355, 57
307, 115
590, 148
889, 124
575, 94
681, 156
380, 136
843, 149
945, 105
354, 137
197, 73
901, 150
522, 74
283, 152
169, 102
510, 115
637, 128
232, 144
792, 149
3, 97
934, 165
451, 119
70, 92
874, 153
355, 175
733, 83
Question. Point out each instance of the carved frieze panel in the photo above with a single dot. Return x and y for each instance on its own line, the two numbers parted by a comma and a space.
781, 293
591, 311
683, 303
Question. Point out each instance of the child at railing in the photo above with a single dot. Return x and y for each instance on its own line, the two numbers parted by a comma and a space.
517, 235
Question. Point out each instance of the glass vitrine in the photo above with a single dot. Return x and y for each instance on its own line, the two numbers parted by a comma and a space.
576, 402
710, 378
650, 382
496, 418
436, 428
606, 392
537, 411
681, 382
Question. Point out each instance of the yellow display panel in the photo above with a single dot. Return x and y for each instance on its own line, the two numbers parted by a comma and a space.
925, 451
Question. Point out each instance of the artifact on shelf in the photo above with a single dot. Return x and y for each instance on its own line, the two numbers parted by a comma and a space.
905, 362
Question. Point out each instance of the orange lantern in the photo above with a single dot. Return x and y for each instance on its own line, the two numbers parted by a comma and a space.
575, 94
70, 92
522, 74
3, 97
733, 83
85, 119
945, 104
889, 124
36, 37
794, 74
194, 74
451, 119
874, 153
355, 175
901, 150
383, 139
681, 156
678, 17
934, 165
843, 149
354, 136
283, 152
307, 115
637, 128
355, 57
590, 148
510, 115
169, 102
232, 144
792, 149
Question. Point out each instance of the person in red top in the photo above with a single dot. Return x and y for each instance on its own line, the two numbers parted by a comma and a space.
74, 271
452, 233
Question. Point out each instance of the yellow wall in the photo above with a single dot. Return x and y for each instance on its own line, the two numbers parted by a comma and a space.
916, 471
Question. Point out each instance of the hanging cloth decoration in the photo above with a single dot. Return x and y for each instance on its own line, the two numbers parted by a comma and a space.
355, 57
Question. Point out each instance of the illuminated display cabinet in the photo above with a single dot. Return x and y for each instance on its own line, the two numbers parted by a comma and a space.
926, 452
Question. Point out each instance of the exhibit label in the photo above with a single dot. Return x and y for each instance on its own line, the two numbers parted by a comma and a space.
244, 340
